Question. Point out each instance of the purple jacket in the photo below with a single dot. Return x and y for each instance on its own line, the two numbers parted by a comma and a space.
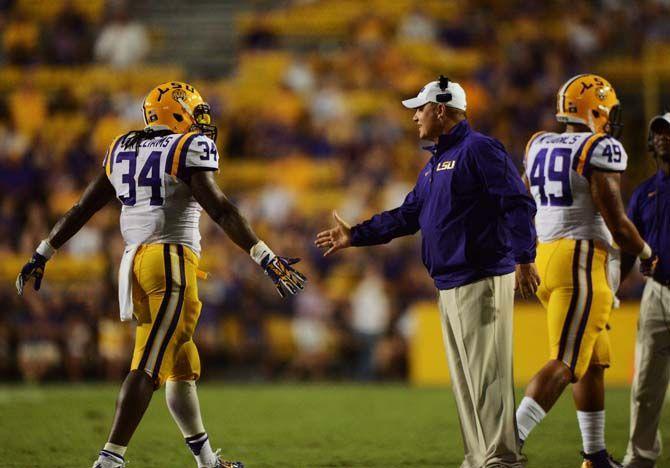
649, 209
473, 210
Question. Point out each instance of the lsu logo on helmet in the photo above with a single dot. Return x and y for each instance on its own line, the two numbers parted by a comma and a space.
589, 100
179, 107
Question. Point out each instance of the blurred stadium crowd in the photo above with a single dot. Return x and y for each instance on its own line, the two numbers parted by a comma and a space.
309, 120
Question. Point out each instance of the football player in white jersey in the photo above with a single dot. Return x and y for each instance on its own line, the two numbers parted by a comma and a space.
163, 175
581, 223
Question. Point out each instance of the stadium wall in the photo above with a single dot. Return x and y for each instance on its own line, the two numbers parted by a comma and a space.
427, 359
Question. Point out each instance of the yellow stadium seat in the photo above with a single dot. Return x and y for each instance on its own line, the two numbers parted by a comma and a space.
28, 107
61, 131
279, 335
67, 269
108, 128
230, 331
262, 68
439, 59
20, 34
47, 10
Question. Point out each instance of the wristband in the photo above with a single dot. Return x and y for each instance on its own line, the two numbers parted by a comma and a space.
260, 251
45, 249
646, 252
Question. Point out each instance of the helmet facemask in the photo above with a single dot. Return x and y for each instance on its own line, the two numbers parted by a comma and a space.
203, 118
613, 127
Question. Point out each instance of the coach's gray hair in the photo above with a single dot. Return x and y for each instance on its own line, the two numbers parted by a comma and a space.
456, 114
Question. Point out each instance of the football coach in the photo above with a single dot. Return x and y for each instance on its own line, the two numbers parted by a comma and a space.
476, 222
648, 208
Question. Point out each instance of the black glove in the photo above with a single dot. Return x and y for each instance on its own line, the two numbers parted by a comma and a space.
648, 266
34, 268
283, 275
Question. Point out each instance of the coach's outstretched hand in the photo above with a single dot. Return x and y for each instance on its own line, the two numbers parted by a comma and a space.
336, 238
35, 269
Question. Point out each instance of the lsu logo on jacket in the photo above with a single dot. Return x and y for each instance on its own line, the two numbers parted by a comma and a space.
445, 165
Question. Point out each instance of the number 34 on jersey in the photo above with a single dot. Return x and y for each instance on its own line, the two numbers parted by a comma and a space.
138, 172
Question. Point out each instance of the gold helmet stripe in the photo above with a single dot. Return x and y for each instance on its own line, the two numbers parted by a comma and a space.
186, 109
565, 88
587, 148
178, 152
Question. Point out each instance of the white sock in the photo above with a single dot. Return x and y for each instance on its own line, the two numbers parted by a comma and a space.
115, 449
592, 426
202, 450
182, 401
528, 415
111, 455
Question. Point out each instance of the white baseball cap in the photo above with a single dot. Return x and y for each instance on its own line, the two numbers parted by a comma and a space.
453, 96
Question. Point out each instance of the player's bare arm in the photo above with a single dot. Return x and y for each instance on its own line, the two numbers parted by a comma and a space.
98, 193
627, 263
337, 238
606, 194
215, 203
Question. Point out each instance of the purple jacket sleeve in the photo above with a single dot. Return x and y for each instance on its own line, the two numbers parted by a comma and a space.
503, 182
387, 225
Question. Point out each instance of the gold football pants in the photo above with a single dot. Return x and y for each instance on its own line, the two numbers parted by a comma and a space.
578, 299
166, 306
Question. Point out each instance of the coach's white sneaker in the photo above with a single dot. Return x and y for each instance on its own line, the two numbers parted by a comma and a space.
109, 460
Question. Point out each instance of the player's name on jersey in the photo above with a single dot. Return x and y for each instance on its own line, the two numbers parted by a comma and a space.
563, 139
160, 142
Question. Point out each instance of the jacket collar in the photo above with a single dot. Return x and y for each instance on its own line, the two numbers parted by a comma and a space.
447, 140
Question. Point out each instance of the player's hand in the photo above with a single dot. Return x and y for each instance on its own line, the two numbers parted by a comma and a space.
527, 279
648, 266
283, 275
33, 269
336, 238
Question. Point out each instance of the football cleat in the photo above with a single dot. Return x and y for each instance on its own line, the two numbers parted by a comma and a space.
600, 459
226, 464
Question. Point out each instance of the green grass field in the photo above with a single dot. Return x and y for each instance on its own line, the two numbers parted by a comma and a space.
280, 426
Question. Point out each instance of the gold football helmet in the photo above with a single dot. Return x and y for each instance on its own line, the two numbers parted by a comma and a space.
178, 107
589, 100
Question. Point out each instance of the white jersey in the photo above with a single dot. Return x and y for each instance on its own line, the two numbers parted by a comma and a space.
558, 166
151, 182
